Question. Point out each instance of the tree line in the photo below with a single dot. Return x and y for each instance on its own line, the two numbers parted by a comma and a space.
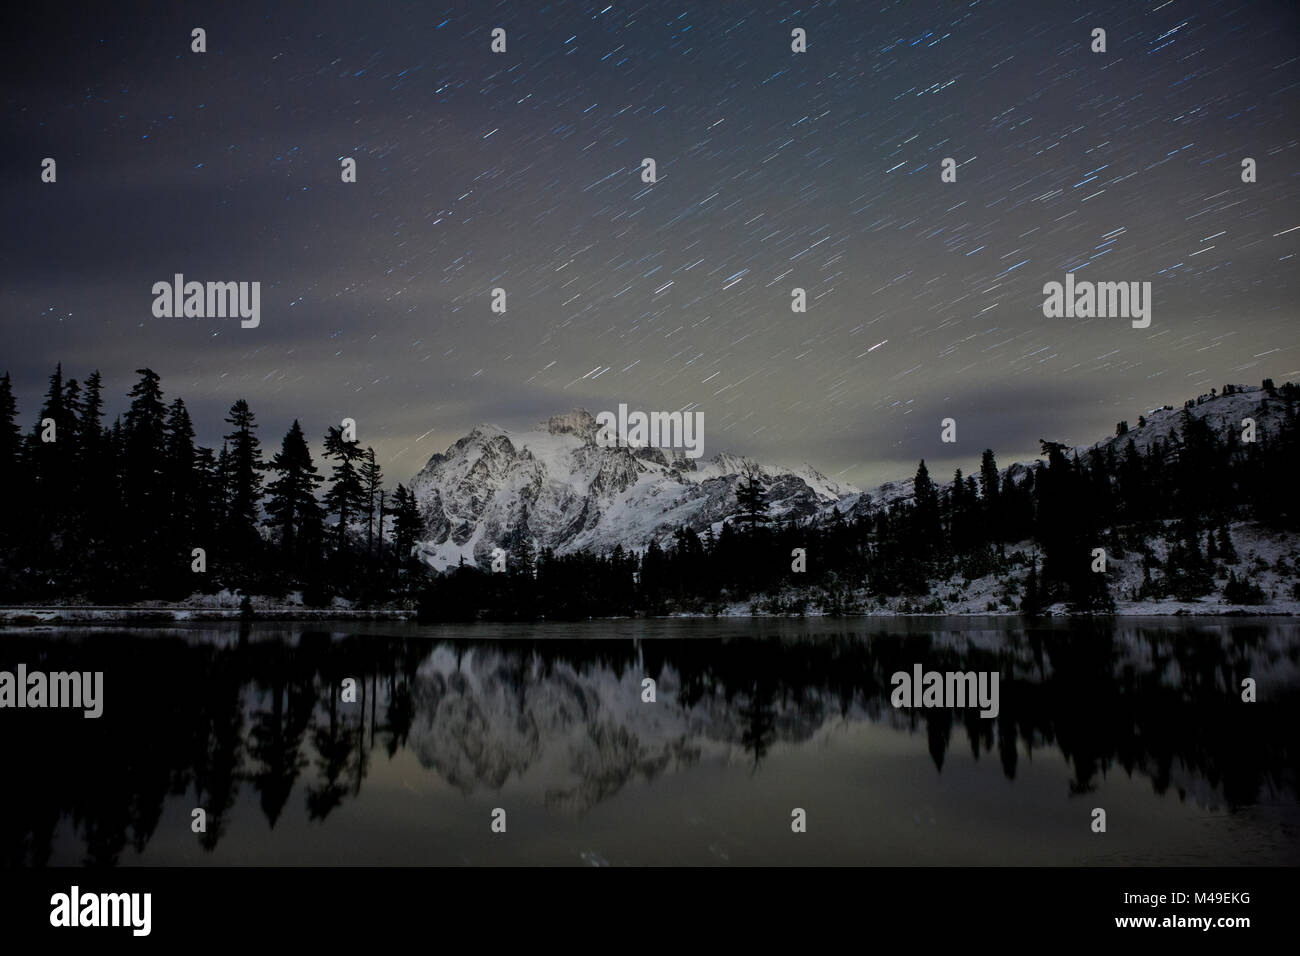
114, 513
136, 510
1121, 498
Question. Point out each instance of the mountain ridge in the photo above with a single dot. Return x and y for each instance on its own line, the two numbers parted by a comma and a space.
556, 488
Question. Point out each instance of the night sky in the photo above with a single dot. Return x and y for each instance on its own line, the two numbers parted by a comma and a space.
523, 170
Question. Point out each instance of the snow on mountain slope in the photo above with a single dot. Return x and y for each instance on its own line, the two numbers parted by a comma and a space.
1223, 412
555, 486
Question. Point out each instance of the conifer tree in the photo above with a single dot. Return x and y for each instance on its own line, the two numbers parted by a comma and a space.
957, 505
138, 527
11, 445
292, 508
71, 407
407, 525
372, 479
988, 478
15, 527
93, 481
50, 461
91, 413
1031, 603
143, 431
346, 495
926, 515
207, 500
245, 468
223, 475
1226, 551
180, 485
752, 498
243, 543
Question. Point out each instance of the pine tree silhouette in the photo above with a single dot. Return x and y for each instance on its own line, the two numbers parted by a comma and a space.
291, 505
752, 498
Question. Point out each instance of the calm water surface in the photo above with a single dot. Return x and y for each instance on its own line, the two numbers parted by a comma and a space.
1142, 718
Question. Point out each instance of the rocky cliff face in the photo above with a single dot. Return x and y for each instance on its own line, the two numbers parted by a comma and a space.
557, 487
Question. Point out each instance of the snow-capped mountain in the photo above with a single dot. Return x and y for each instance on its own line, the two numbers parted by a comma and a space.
557, 487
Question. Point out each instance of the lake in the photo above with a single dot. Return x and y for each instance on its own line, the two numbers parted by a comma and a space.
752, 720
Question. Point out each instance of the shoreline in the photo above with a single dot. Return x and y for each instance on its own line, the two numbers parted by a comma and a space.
76, 615
25, 616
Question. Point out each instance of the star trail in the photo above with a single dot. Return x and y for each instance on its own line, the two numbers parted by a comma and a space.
775, 170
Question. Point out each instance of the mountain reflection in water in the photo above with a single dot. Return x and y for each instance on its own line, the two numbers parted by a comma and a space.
752, 719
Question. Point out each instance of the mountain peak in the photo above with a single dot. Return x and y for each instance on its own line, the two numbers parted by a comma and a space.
558, 488
579, 422
555, 486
